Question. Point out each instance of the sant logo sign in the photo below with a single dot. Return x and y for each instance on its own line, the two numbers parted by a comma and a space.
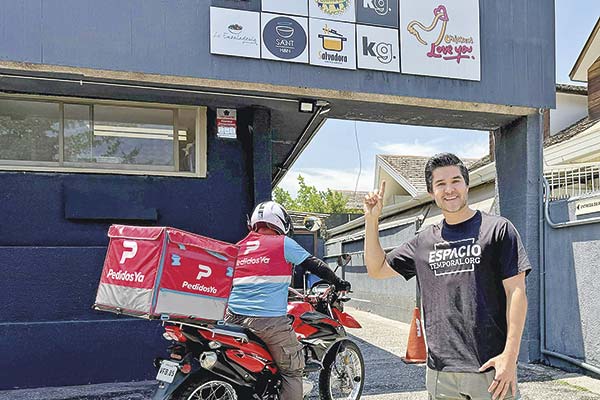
378, 12
440, 39
284, 38
332, 44
234, 32
340, 10
377, 48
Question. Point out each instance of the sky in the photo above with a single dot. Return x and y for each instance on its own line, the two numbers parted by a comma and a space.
352, 164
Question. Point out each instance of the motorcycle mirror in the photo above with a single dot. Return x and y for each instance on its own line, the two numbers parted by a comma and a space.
312, 223
344, 259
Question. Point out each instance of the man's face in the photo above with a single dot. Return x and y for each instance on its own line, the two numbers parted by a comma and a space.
450, 191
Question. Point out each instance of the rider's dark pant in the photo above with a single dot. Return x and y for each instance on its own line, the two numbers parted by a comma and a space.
280, 338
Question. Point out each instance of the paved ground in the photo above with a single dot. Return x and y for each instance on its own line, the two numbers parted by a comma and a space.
382, 342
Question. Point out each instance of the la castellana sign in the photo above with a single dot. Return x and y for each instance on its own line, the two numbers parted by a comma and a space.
430, 37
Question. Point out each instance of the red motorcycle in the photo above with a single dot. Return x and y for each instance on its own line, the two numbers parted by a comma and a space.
228, 362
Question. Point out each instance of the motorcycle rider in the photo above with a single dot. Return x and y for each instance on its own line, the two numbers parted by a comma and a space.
259, 296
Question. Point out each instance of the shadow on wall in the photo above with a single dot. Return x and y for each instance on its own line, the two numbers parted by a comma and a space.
568, 271
392, 298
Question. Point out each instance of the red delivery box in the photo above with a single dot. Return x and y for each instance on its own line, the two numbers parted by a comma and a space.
161, 272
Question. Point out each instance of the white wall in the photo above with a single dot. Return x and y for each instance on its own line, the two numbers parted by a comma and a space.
570, 108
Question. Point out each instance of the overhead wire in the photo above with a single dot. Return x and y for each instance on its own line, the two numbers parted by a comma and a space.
359, 159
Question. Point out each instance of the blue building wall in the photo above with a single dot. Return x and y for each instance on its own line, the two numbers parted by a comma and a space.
172, 38
52, 235
392, 298
572, 305
52, 246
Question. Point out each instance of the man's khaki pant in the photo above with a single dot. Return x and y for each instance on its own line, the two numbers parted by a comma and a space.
462, 386
280, 338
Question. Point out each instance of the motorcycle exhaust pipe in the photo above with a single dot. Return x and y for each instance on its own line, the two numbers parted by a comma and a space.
208, 359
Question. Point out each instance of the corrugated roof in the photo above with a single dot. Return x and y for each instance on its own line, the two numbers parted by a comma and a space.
564, 135
298, 217
570, 132
571, 89
355, 199
412, 168
485, 160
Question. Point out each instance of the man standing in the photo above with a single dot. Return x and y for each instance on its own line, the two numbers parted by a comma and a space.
471, 269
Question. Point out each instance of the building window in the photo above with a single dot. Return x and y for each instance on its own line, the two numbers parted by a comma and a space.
29, 131
102, 136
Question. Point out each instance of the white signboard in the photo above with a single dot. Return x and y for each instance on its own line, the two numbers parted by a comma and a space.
284, 38
234, 32
338, 10
227, 123
293, 7
377, 48
332, 44
587, 206
440, 38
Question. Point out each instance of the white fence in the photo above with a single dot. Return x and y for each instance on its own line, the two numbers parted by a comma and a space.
566, 181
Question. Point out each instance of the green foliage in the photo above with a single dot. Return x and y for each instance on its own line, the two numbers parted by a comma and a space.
309, 199
335, 202
283, 197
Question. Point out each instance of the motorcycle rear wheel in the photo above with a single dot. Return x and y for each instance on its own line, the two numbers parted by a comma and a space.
207, 388
343, 373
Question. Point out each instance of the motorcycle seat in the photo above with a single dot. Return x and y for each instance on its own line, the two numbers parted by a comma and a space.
232, 330
239, 332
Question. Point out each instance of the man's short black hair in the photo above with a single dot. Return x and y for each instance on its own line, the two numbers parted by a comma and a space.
443, 160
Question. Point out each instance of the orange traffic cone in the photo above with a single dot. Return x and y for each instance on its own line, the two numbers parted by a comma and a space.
416, 353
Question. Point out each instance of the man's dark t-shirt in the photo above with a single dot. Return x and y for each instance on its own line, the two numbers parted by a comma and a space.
460, 269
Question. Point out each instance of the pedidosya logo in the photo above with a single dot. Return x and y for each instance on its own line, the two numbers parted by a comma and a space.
284, 38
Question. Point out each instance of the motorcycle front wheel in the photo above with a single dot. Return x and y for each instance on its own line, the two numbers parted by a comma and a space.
207, 388
343, 373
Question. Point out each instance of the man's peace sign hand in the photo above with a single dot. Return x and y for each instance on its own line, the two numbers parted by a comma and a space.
373, 203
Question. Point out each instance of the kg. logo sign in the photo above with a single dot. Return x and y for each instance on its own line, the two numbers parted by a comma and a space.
284, 38
381, 7
378, 12
377, 48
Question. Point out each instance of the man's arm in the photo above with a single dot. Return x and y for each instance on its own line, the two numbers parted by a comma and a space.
377, 265
505, 364
319, 268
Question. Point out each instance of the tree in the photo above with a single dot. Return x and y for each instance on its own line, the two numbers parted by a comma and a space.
284, 198
335, 202
310, 199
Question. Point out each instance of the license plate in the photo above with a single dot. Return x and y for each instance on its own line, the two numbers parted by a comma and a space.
167, 371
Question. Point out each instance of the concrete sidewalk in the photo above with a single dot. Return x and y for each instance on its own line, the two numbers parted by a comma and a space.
383, 342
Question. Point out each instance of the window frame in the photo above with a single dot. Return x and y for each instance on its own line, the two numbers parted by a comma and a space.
95, 168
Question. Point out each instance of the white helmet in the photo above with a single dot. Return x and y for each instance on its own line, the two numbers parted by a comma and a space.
273, 215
